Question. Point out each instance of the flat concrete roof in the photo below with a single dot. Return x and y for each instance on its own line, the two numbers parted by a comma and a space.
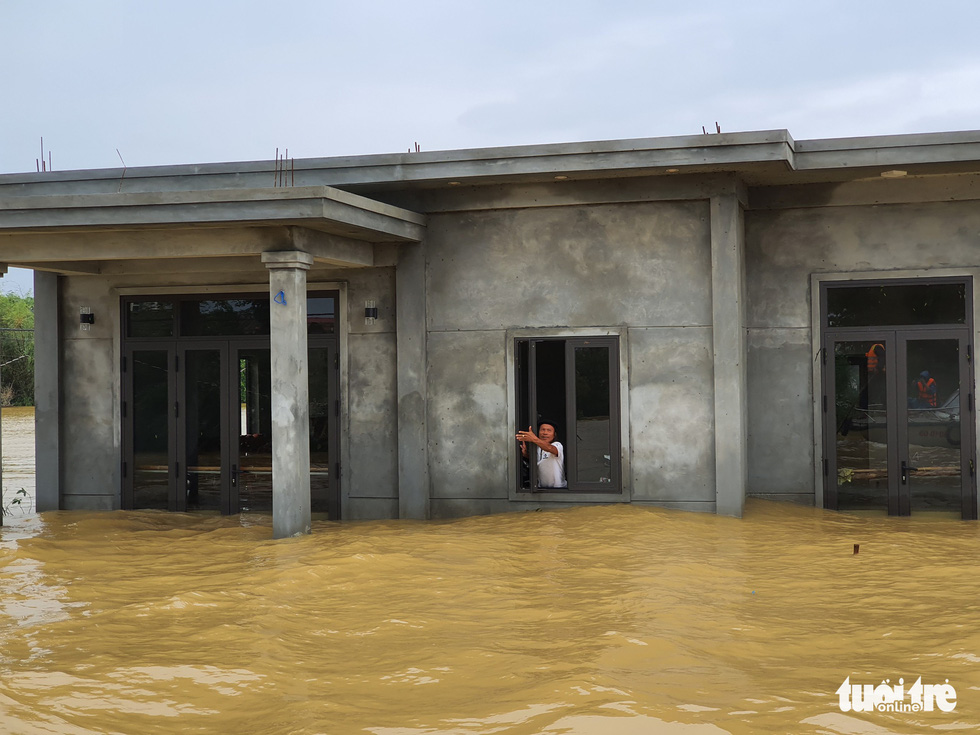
760, 158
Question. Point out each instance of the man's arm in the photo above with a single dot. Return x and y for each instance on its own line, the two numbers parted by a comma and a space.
530, 436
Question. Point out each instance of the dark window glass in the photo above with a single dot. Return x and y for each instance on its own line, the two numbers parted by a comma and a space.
593, 417
151, 430
320, 315
150, 319
224, 317
893, 305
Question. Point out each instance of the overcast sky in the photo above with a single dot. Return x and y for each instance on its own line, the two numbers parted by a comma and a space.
187, 82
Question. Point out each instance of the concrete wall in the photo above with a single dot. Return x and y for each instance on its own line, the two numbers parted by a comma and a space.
644, 266
785, 246
90, 430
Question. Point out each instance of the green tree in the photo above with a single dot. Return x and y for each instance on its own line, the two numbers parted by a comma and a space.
16, 350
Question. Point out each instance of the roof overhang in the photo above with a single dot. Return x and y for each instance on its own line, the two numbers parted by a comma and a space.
321, 208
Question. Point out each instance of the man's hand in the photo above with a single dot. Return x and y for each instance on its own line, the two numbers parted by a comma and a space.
528, 436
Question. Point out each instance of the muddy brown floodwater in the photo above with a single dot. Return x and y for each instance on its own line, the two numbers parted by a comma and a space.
615, 619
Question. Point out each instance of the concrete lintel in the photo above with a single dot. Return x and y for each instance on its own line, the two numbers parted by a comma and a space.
287, 259
333, 249
141, 244
65, 268
729, 345
870, 191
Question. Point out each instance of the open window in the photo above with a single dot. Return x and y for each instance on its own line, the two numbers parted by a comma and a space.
572, 384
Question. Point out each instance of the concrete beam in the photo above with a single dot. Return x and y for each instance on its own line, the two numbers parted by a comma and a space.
47, 390
869, 192
142, 244
410, 324
333, 249
291, 515
76, 268
317, 207
728, 338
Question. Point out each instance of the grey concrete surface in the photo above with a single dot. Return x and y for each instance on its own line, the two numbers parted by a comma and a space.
728, 342
372, 509
469, 436
90, 432
672, 407
570, 266
373, 411
784, 247
780, 413
410, 318
47, 392
290, 393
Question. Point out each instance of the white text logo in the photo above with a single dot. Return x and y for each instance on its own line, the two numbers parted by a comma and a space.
888, 698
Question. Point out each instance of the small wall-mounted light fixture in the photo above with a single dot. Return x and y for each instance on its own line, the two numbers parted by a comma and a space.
672, 170
561, 177
895, 173
370, 312
85, 318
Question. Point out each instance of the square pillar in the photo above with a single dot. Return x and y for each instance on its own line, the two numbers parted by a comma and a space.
47, 390
413, 460
728, 338
290, 392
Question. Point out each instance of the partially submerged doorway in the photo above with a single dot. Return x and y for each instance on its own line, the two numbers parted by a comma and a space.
197, 419
898, 396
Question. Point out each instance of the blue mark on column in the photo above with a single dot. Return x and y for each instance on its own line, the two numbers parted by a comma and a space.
280, 298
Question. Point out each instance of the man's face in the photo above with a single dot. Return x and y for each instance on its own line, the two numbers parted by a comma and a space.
546, 432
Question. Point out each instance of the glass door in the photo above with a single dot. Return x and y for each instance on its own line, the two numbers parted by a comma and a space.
147, 420
251, 465
935, 461
324, 369
860, 425
898, 422
202, 429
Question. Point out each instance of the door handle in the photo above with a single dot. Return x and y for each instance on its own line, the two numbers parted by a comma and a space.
906, 468
234, 475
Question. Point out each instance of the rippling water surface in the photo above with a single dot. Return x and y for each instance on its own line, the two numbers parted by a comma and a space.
594, 620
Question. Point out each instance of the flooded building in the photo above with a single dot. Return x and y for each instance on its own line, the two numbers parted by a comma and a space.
699, 319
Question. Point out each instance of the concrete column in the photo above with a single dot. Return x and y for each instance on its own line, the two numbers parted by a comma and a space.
413, 460
47, 383
290, 392
728, 336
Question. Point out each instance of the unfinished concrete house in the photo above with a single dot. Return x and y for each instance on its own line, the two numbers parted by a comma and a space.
700, 319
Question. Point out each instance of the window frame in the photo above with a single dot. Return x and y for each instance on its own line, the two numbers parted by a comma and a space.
616, 340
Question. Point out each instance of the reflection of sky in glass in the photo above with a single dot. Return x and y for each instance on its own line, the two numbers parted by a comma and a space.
320, 314
216, 317
236, 305
896, 304
150, 319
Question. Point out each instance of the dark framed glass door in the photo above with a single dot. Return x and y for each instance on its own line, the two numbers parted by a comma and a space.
324, 366
898, 421
197, 406
148, 477
250, 385
202, 428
